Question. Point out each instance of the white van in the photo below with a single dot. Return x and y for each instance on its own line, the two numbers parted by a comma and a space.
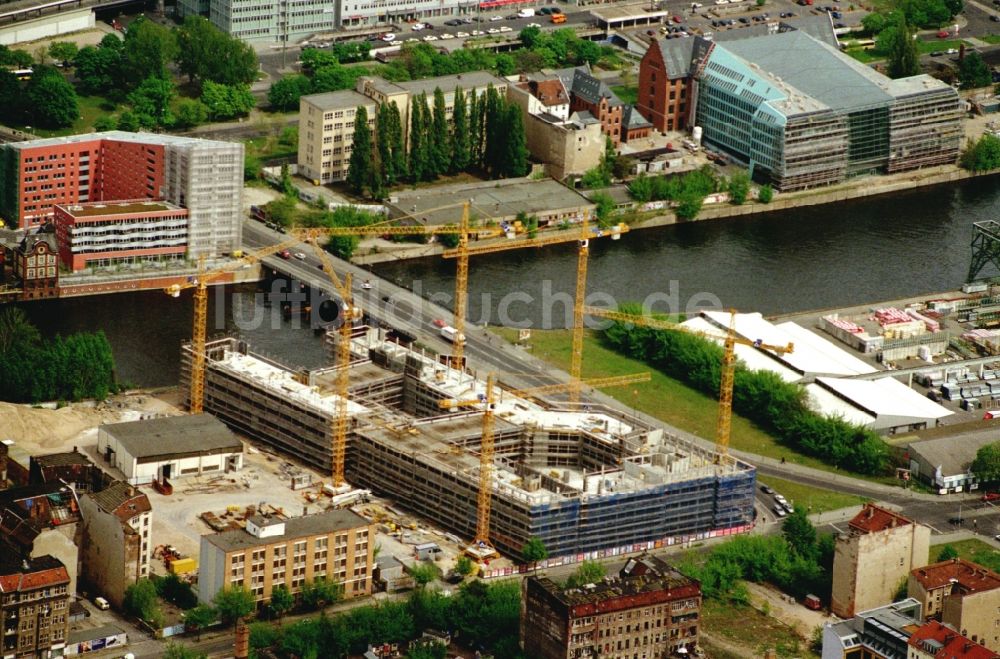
526, 13
102, 603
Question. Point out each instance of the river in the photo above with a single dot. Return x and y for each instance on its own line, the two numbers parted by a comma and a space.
878, 248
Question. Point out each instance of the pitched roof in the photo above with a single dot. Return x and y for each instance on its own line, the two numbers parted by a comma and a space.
967, 576
632, 119
943, 642
121, 499
549, 92
591, 89
676, 56
873, 519
35, 573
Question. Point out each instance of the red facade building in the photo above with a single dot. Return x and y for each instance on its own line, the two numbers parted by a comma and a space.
665, 87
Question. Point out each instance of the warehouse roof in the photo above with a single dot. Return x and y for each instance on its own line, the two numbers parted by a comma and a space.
295, 527
196, 434
953, 454
884, 397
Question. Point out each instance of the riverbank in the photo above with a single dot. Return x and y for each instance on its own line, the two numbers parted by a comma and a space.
374, 252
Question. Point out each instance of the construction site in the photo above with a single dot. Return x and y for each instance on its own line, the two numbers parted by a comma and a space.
582, 478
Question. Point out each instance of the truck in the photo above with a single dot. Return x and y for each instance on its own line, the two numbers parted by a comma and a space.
452, 335
526, 13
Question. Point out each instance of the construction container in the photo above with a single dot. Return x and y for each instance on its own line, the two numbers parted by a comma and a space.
183, 566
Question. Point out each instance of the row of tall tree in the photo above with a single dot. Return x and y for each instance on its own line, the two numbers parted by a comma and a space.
485, 132
72, 368
762, 396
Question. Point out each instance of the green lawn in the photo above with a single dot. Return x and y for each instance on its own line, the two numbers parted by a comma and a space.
991, 38
628, 94
924, 47
665, 398
90, 109
976, 551
864, 56
815, 500
749, 628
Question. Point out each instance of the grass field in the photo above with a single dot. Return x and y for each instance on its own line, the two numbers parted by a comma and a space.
814, 499
748, 628
663, 397
976, 551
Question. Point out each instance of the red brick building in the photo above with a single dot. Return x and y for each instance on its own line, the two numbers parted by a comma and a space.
105, 234
649, 610
590, 95
665, 89
34, 608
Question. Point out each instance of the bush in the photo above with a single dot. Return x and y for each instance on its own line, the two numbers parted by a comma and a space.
983, 154
765, 194
179, 593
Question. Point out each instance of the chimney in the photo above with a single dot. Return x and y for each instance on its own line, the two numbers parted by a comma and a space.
241, 645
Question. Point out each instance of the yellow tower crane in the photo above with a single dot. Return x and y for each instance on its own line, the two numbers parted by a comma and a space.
481, 546
199, 328
729, 341
582, 238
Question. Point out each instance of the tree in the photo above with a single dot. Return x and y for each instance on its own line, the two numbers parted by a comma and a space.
588, 572
530, 36
198, 618
105, 122
515, 156
605, 207
429, 651
334, 78
63, 51
151, 102
98, 69
765, 194
360, 169
898, 42
207, 53
874, 23
689, 205
142, 602
52, 99
418, 165
800, 533
286, 92
986, 465
234, 603
947, 553
16, 331
464, 566
226, 101
282, 601
19, 59
176, 591
983, 154
190, 113
441, 145
320, 593
424, 573
147, 50
128, 121
460, 133
396, 143
534, 551
739, 188
973, 71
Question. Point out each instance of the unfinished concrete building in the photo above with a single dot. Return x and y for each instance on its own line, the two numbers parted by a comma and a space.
583, 479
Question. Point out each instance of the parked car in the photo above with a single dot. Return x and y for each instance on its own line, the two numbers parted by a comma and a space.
935, 397
957, 521
416, 27
995, 18
388, 37
676, 19
496, 18
285, 254
779, 511
766, 489
943, 34
991, 496
300, 256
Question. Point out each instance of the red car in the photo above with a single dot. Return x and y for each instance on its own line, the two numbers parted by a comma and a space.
677, 19
944, 34
285, 254
991, 496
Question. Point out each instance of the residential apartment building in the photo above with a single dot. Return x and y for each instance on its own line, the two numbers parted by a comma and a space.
103, 234
34, 607
592, 96
936, 641
757, 97
326, 121
870, 560
961, 594
35, 263
337, 545
41, 520
115, 544
205, 177
649, 610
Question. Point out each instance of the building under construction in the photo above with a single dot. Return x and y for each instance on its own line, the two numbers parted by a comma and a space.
581, 478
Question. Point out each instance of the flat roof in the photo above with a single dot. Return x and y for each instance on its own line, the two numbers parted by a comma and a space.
885, 397
121, 135
954, 454
295, 527
118, 208
489, 199
196, 434
448, 84
345, 98
625, 12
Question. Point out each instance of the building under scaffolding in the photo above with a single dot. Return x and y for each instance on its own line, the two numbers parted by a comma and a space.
582, 479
